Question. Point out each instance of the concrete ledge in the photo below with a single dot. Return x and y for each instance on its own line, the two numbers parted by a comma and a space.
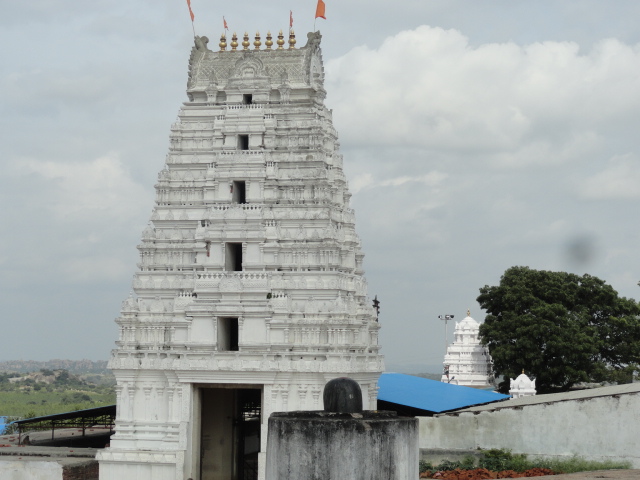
436, 456
613, 474
48, 463
51, 452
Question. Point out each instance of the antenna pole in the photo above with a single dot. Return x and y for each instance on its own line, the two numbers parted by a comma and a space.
446, 318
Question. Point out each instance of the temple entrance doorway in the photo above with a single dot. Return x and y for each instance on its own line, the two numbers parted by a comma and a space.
230, 433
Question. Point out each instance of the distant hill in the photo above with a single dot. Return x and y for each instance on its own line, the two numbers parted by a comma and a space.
72, 366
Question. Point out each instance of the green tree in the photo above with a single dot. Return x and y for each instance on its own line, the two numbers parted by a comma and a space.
561, 327
62, 377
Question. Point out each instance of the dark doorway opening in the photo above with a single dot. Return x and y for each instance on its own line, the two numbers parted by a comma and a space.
239, 192
233, 257
228, 334
230, 434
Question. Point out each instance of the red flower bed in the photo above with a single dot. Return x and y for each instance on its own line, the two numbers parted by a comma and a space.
483, 473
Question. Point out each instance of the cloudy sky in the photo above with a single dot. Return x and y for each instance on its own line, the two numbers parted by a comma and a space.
477, 135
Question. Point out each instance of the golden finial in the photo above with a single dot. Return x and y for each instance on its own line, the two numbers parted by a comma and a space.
269, 41
523, 370
280, 41
468, 312
234, 42
223, 42
245, 41
257, 43
292, 40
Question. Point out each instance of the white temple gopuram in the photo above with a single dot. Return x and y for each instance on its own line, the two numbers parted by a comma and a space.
467, 362
522, 386
249, 295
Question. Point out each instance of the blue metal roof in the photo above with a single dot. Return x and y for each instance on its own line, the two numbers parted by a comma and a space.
431, 395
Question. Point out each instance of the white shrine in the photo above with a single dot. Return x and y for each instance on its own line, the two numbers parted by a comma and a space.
249, 294
467, 362
522, 386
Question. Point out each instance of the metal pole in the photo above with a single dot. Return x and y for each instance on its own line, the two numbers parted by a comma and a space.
446, 344
446, 319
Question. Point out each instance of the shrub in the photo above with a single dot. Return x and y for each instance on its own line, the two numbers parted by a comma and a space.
498, 460
424, 466
75, 397
467, 463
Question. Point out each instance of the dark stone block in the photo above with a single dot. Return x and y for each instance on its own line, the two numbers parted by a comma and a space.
342, 395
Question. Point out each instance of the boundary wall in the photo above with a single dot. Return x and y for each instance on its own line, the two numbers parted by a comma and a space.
598, 424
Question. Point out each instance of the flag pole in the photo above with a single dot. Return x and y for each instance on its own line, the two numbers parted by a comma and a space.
192, 18
320, 9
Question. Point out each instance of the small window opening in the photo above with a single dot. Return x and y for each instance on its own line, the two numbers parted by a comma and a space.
247, 99
243, 142
238, 192
233, 257
228, 334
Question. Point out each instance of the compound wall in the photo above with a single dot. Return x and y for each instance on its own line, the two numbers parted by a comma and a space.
598, 428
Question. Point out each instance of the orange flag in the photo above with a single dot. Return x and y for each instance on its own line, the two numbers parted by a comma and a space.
290, 19
320, 10
225, 24
190, 11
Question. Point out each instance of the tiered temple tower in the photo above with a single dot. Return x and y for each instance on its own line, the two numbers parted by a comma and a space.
467, 362
249, 294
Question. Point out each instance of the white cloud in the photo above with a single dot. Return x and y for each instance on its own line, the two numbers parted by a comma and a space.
512, 105
95, 268
80, 190
77, 88
430, 180
361, 182
619, 180
366, 180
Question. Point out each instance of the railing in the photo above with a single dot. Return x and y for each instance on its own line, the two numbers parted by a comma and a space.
233, 281
248, 207
241, 152
248, 106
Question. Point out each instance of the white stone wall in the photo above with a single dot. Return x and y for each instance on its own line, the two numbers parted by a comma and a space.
14, 469
599, 428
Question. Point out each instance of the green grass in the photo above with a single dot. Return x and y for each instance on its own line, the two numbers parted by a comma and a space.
39, 403
498, 460
577, 464
47, 392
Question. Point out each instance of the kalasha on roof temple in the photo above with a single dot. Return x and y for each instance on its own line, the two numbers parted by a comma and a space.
249, 295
